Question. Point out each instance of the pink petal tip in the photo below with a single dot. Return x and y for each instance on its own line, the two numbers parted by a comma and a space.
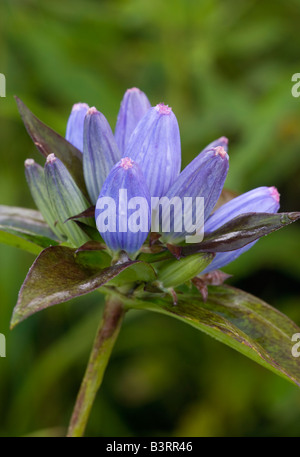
126, 163
219, 150
163, 109
274, 193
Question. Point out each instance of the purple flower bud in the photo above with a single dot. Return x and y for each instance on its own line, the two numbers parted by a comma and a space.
74, 133
100, 152
123, 213
134, 106
203, 177
155, 146
261, 200
223, 141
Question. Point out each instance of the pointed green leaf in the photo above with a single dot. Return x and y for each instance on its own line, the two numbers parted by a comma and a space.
17, 234
28, 219
48, 141
93, 255
25, 229
56, 277
12, 239
92, 232
238, 232
137, 272
237, 319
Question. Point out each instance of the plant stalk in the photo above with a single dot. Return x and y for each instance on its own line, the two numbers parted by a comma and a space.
106, 337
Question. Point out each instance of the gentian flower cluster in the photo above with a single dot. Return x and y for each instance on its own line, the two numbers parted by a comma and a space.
120, 216
140, 164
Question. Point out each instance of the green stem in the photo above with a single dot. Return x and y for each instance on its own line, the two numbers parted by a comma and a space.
106, 337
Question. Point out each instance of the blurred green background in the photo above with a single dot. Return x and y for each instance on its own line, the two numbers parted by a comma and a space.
225, 67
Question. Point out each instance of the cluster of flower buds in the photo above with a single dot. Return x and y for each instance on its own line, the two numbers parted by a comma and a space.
134, 179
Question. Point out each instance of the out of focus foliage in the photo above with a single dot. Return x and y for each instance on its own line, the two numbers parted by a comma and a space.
225, 68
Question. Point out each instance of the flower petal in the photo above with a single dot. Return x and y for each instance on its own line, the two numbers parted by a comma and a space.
123, 208
155, 146
134, 106
100, 152
261, 199
203, 177
74, 133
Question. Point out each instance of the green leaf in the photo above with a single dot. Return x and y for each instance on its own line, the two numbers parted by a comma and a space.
25, 219
48, 141
19, 242
238, 319
174, 272
238, 232
137, 272
92, 232
93, 255
56, 277
25, 229
16, 234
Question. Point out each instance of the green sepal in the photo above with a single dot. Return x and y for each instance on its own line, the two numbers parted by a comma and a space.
174, 272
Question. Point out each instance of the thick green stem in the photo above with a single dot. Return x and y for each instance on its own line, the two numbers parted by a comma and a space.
106, 336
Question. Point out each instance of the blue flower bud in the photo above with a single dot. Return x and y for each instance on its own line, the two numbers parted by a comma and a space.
261, 200
134, 106
198, 188
123, 213
100, 152
66, 199
74, 133
223, 141
155, 146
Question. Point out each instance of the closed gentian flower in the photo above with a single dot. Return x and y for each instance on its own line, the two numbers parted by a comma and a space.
261, 200
204, 177
155, 146
134, 106
100, 152
35, 177
74, 133
223, 141
66, 198
123, 213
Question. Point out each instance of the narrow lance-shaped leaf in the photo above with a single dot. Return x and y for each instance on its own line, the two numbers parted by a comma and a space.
237, 319
48, 141
238, 232
26, 219
56, 277
18, 240
24, 229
